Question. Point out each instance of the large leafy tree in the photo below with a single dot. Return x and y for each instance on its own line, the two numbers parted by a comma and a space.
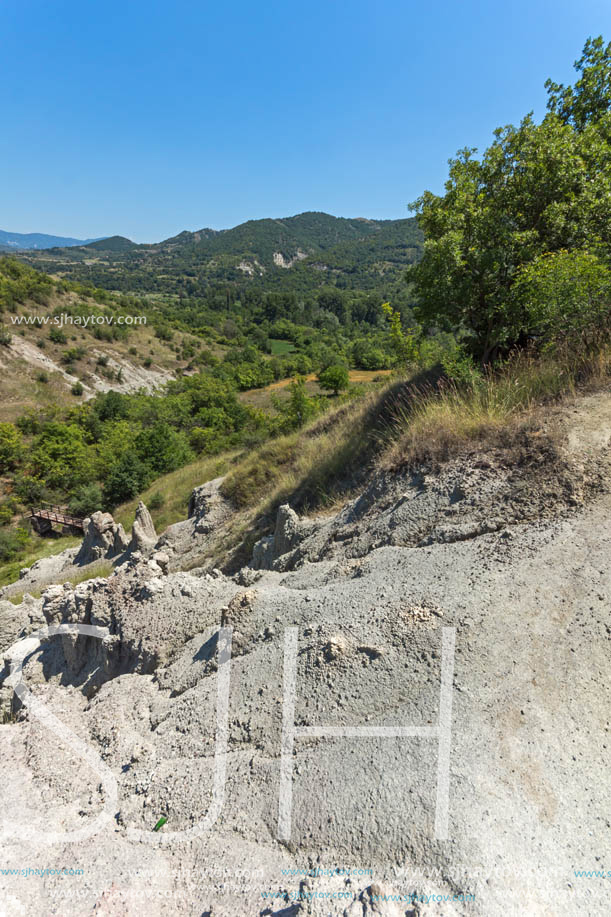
538, 188
588, 100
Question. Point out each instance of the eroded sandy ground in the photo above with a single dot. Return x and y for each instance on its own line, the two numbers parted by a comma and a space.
511, 560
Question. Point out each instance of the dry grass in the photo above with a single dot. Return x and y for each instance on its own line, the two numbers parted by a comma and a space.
101, 568
441, 420
174, 490
46, 547
401, 423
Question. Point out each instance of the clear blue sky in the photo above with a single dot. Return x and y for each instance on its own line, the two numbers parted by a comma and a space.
147, 118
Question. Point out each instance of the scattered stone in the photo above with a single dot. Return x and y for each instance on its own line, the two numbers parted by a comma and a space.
162, 559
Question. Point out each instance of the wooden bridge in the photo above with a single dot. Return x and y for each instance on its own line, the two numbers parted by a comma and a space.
46, 516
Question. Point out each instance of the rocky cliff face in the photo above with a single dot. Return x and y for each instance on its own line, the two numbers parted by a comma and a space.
402, 703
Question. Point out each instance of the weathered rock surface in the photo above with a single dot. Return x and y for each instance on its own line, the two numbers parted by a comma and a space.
369, 591
188, 543
144, 536
288, 533
104, 538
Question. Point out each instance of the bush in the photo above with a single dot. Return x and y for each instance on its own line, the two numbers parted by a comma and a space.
7, 510
77, 389
10, 446
87, 500
299, 408
334, 379
62, 454
74, 354
127, 478
162, 448
565, 299
29, 488
156, 500
205, 440
57, 336
12, 542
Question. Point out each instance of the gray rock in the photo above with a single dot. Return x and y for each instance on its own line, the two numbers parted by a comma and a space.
162, 560
104, 538
144, 536
288, 533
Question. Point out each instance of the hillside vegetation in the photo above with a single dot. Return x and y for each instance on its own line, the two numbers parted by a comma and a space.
297, 254
507, 309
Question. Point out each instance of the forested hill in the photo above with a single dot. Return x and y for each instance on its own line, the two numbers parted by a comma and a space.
299, 253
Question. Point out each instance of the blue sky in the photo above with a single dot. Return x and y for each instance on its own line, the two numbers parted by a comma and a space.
145, 119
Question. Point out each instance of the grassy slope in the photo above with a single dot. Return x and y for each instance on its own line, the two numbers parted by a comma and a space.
399, 423
20, 385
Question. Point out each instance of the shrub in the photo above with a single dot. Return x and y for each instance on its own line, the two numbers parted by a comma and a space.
12, 542
10, 446
58, 336
72, 355
205, 440
299, 408
334, 379
156, 500
86, 500
564, 298
29, 488
127, 478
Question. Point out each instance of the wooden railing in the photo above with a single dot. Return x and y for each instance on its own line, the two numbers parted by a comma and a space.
54, 513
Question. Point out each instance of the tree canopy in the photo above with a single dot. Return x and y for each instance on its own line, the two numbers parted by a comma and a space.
538, 188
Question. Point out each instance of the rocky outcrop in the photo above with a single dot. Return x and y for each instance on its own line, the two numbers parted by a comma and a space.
459, 619
289, 532
207, 506
144, 536
104, 538
186, 542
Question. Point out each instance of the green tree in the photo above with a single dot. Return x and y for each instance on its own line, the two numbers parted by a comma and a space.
10, 446
565, 298
334, 379
403, 342
62, 455
125, 480
87, 500
299, 408
590, 98
162, 448
538, 188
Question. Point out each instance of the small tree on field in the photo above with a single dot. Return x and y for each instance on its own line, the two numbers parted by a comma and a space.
334, 379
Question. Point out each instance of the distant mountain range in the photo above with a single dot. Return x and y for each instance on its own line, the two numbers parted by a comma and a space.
20, 241
297, 253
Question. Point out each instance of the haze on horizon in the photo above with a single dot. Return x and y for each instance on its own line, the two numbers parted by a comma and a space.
144, 120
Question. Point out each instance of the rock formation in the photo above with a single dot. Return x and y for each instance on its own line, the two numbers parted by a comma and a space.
144, 536
104, 538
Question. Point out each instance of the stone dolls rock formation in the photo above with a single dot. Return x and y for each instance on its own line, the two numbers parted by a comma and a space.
104, 538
